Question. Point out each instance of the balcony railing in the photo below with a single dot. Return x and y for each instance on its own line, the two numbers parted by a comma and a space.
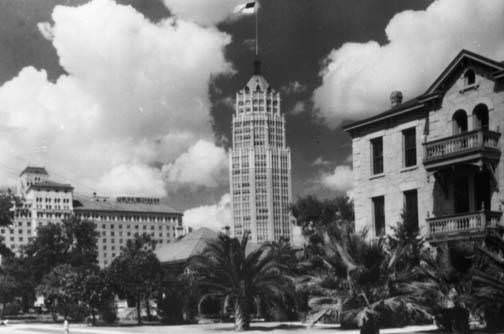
463, 225
465, 143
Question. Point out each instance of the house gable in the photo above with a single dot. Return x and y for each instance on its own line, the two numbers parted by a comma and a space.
462, 62
491, 69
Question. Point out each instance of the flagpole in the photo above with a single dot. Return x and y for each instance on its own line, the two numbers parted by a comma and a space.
257, 30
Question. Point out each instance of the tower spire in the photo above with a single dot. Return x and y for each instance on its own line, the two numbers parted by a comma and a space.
257, 61
257, 29
257, 66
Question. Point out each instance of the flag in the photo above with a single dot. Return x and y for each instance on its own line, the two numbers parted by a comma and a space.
247, 8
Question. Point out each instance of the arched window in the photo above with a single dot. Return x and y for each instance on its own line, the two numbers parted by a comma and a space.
469, 77
459, 121
480, 117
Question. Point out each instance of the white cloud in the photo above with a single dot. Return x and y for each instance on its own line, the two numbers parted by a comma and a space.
212, 216
45, 29
204, 12
320, 161
294, 87
121, 107
298, 108
204, 164
359, 77
339, 180
133, 180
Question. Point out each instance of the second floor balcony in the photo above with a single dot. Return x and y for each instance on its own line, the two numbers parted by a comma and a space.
472, 225
467, 147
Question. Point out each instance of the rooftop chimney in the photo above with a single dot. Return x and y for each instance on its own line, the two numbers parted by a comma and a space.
396, 98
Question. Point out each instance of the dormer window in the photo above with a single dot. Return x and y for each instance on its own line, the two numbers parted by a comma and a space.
469, 78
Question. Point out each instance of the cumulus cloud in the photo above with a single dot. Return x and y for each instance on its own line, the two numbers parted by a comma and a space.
358, 78
320, 161
294, 87
212, 216
339, 180
133, 180
203, 11
204, 164
121, 106
298, 108
45, 29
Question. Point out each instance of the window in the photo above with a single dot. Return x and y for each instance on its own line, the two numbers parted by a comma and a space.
409, 140
480, 117
469, 77
377, 154
459, 122
379, 215
411, 208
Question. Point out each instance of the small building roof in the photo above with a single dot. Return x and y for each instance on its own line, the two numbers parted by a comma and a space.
181, 250
190, 245
34, 170
51, 185
101, 204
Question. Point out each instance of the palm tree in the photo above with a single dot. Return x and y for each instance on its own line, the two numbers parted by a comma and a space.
444, 286
488, 282
371, 285
224, 270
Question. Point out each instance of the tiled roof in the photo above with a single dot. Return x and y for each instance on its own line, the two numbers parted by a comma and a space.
192, 244
181, 250
34, 170
403, 106
112, 205
50, 185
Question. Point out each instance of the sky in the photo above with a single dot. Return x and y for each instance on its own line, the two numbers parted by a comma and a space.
135, 97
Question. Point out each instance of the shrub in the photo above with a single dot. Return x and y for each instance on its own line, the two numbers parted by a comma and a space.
13, 308
107, 312
169, 308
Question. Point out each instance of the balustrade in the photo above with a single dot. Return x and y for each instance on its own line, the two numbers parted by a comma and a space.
460, 144
463, 223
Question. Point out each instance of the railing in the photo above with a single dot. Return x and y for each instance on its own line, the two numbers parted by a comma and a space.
463, 223
459, 144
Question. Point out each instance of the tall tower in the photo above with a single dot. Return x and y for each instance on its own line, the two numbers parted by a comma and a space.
260, 164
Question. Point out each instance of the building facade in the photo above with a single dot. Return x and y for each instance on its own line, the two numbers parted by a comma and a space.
436, 157
120, 219
41, 201
260, 164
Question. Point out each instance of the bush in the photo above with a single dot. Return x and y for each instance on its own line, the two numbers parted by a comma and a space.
13, 308
169, 308
77, 313
107, 312
494, 319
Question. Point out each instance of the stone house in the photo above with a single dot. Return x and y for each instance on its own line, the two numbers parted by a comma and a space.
437, 155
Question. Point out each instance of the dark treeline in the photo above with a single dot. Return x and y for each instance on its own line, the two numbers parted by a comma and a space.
339, 275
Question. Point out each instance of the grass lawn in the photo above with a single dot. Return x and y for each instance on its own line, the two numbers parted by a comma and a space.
261, 327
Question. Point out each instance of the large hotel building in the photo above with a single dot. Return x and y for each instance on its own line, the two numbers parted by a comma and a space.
260, 164
117, 219
438, 156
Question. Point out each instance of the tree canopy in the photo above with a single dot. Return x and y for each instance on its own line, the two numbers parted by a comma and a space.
225, 271
136, 273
